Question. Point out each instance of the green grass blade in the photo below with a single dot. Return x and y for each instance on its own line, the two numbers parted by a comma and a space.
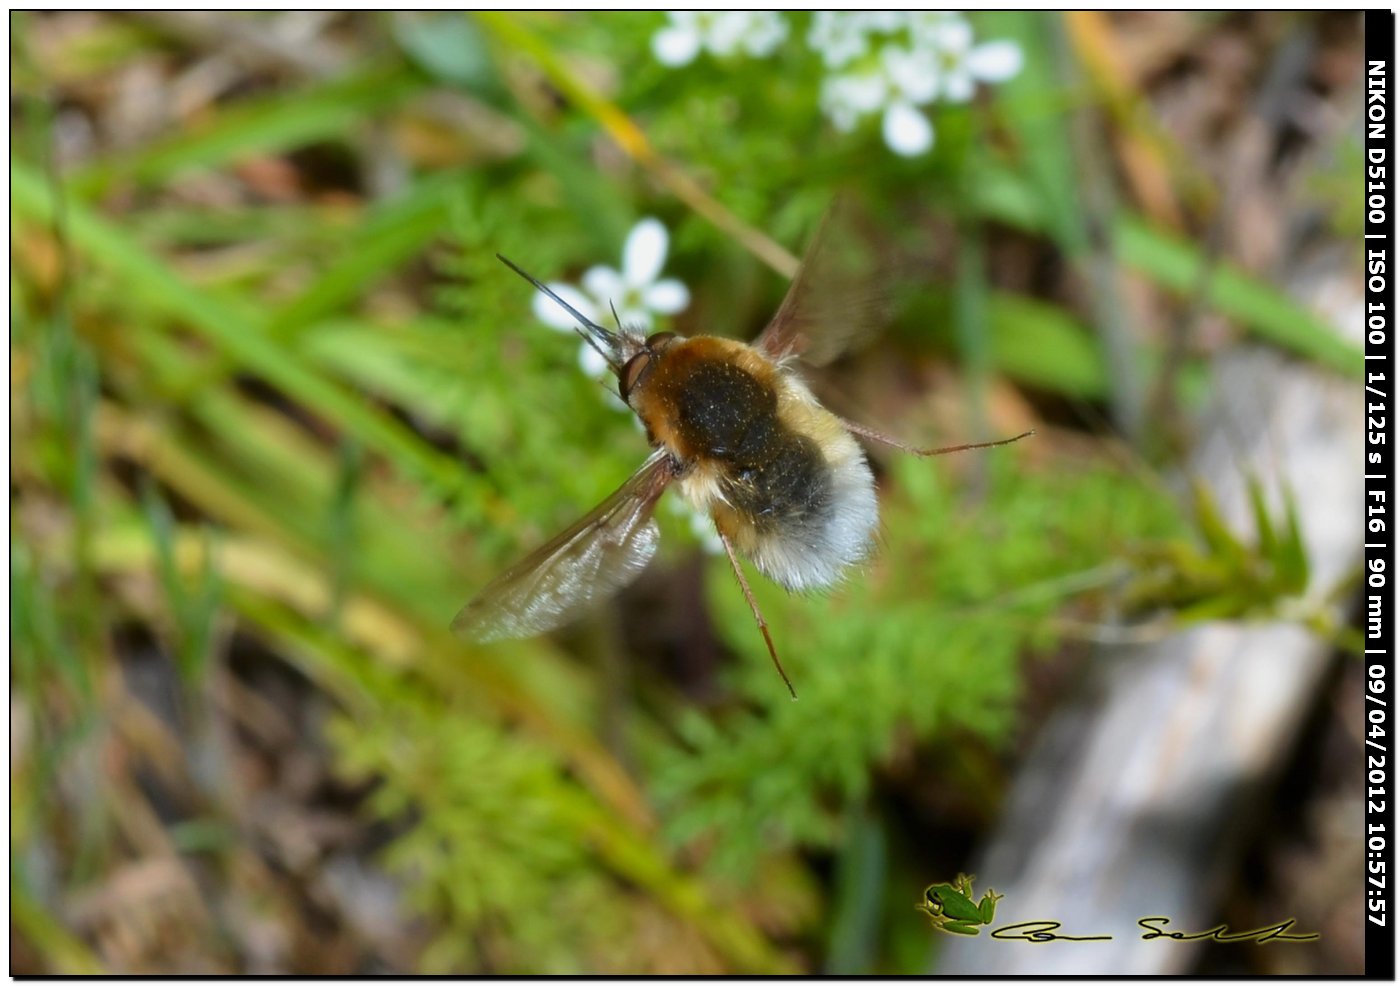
233, 329
389, 237
1175, 263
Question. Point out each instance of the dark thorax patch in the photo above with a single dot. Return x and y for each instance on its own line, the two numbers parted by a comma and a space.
772, 474
718, 407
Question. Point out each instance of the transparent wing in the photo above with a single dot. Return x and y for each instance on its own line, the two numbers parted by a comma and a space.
590, 561
840, 295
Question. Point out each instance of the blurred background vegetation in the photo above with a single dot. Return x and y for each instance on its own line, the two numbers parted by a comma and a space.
277, 412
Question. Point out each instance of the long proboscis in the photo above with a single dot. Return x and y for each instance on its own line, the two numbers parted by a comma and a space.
595, 335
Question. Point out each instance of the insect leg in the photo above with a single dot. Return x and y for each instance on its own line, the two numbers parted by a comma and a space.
876, 436
757, 614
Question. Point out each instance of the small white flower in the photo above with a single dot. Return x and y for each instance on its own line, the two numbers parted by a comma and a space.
961, 66
848, 97
726, 31
891, 63
679, 43
767, 29
838, 37
548, 311
720, 32
634, 292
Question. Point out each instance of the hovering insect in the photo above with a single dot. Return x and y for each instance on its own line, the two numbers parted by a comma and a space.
742, 438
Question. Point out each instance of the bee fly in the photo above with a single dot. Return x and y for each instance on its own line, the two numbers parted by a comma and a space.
742, 438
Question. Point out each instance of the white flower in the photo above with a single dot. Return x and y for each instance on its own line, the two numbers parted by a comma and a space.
551, 314
962, 66
634, 293
893, 62
720, 32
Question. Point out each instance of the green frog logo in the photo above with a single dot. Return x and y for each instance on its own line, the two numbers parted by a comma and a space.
949, 906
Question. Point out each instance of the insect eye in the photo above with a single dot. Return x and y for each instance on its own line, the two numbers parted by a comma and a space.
659, 340
631, 373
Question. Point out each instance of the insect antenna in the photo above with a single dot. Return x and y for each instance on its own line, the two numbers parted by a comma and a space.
596, 336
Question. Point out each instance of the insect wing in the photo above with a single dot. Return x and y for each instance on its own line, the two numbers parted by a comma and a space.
597, 556
841, 292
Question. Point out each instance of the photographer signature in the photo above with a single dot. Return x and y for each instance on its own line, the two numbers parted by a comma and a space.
1038, 932
953, 908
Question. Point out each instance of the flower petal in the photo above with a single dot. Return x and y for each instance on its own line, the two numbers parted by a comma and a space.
591, 361
644, 253
907, 131
838, 36
675, 46
604, 285
882, 21
552, 314
636, 317
958, 84
995, 61
767, 30
950, 34
726, 31
912, 72
666, 297
845, 98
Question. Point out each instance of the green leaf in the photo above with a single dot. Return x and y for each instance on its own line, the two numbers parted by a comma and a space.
1263, 524
1217, 534
1043, 345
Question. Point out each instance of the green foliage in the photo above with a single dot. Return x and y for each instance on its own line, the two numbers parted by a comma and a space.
1217, 575
928, 643
491, 851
